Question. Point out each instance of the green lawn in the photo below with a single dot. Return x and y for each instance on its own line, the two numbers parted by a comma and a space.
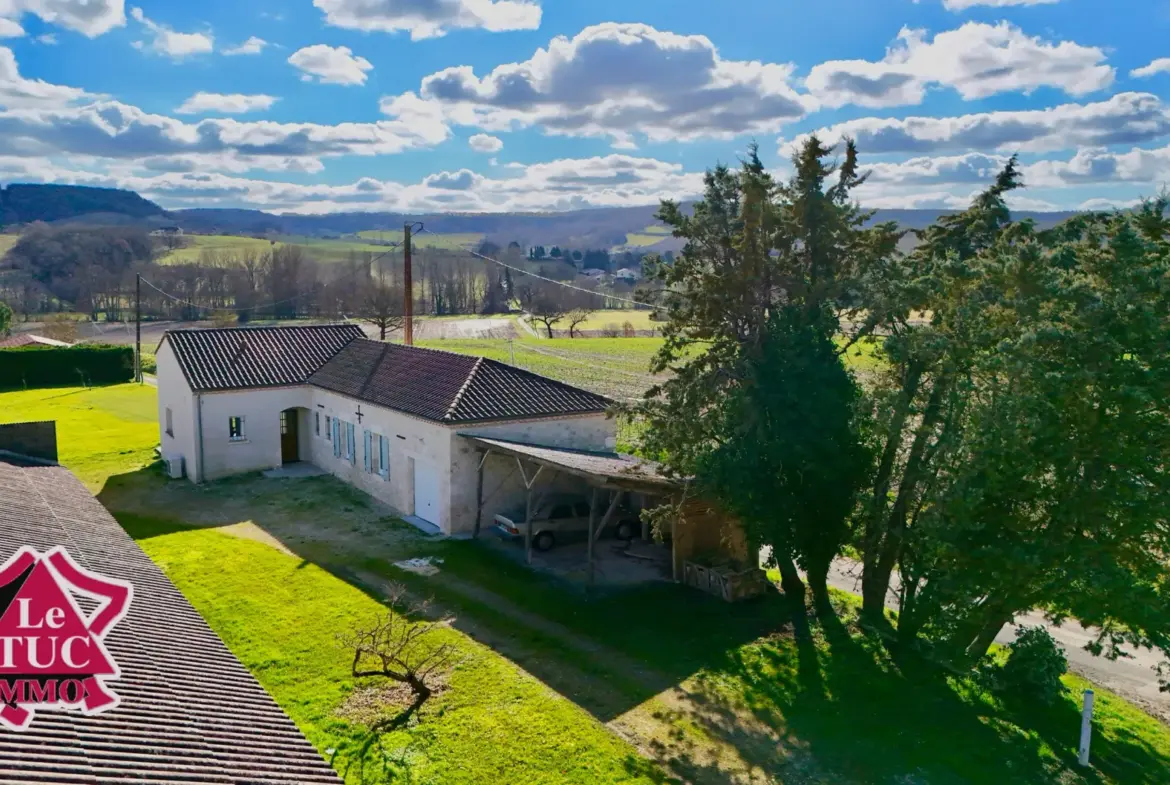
224, 243
599, 320
101, 431
7, 241
281, 616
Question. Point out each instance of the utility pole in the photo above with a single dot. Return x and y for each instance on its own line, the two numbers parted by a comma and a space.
512, 350
408, 285
138, 327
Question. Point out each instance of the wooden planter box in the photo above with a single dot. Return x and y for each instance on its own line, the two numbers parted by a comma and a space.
731, 583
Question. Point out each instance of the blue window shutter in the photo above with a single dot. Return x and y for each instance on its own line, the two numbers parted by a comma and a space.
336, 438
384, 464
367, 435
350, 434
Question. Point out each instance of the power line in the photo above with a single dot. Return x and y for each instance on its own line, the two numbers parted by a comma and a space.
551, 280
217, 308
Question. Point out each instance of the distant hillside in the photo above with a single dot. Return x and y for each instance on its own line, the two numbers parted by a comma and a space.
609, 227
25, 203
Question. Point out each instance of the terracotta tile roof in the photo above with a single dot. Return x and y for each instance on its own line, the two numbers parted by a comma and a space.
190, 712
618, 468
28, 339
448, 387
239, 358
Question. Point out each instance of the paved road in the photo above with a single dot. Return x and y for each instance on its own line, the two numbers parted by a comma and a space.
1133, 678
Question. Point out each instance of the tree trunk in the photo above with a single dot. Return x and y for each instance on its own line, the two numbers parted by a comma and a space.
790, 580
818, 581
915, 471
873, 587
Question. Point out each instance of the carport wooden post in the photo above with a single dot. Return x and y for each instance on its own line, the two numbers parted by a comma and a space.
479, 491
592, 524
528, 523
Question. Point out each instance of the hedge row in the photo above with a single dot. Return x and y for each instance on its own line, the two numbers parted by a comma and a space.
52, 366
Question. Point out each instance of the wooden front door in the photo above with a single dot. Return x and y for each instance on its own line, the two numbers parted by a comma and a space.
288, 436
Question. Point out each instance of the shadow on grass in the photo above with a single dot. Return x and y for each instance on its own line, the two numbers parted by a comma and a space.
814, 701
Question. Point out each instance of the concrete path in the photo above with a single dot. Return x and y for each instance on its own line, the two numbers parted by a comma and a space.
1133, 678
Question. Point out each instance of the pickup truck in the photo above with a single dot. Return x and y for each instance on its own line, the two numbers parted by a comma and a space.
561, 518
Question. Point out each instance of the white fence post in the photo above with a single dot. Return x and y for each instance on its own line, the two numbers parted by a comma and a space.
1086, 727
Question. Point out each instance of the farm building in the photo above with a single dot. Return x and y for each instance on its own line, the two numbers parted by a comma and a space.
395, 421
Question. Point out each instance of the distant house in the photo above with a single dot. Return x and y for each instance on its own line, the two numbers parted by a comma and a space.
395, 421
190, 712
626, 274
28, 339
593, 272
167, 231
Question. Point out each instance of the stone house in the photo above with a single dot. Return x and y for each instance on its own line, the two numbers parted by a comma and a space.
392, 420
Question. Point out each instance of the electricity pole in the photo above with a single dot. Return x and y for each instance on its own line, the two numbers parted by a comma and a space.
138, 327
408, 286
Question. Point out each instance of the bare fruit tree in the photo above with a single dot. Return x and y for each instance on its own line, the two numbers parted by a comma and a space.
576, 317
382, 305
406, 652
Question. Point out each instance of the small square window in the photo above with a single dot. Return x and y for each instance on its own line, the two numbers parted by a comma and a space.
170, 423
236, 429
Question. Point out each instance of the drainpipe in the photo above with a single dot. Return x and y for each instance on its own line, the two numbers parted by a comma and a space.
199, 436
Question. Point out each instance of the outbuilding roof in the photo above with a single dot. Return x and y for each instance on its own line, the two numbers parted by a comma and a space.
611, 468
190, 712
448, 387
239, 358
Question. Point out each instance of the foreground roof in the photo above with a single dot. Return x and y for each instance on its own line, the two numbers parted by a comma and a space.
610, 467
190, 712
28, 339
448, 387
237, 358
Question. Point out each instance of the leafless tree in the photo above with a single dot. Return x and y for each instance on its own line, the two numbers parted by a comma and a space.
403, 651
548, 305
576, 317
382, 303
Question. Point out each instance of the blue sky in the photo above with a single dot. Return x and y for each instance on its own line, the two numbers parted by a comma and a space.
489, 105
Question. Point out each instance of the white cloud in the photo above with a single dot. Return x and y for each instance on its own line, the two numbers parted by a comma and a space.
89, 17
331, 65
18, 93
10, 28
112, 130
48, 39
1159, 66
1126, 118
253, 46
431, 18
202, 103
963, 5
616, 80
167, 42
482, 143
978, 60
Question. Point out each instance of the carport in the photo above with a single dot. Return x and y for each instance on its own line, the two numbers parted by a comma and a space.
604, 472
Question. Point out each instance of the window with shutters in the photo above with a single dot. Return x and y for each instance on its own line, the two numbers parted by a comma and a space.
384, 457
350, 443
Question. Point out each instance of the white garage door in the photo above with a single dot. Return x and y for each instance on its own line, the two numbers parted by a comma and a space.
426, 493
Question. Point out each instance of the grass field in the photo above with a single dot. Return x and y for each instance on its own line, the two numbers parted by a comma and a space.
100, 430
280, 616
7, 241
638, 317
319, 248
